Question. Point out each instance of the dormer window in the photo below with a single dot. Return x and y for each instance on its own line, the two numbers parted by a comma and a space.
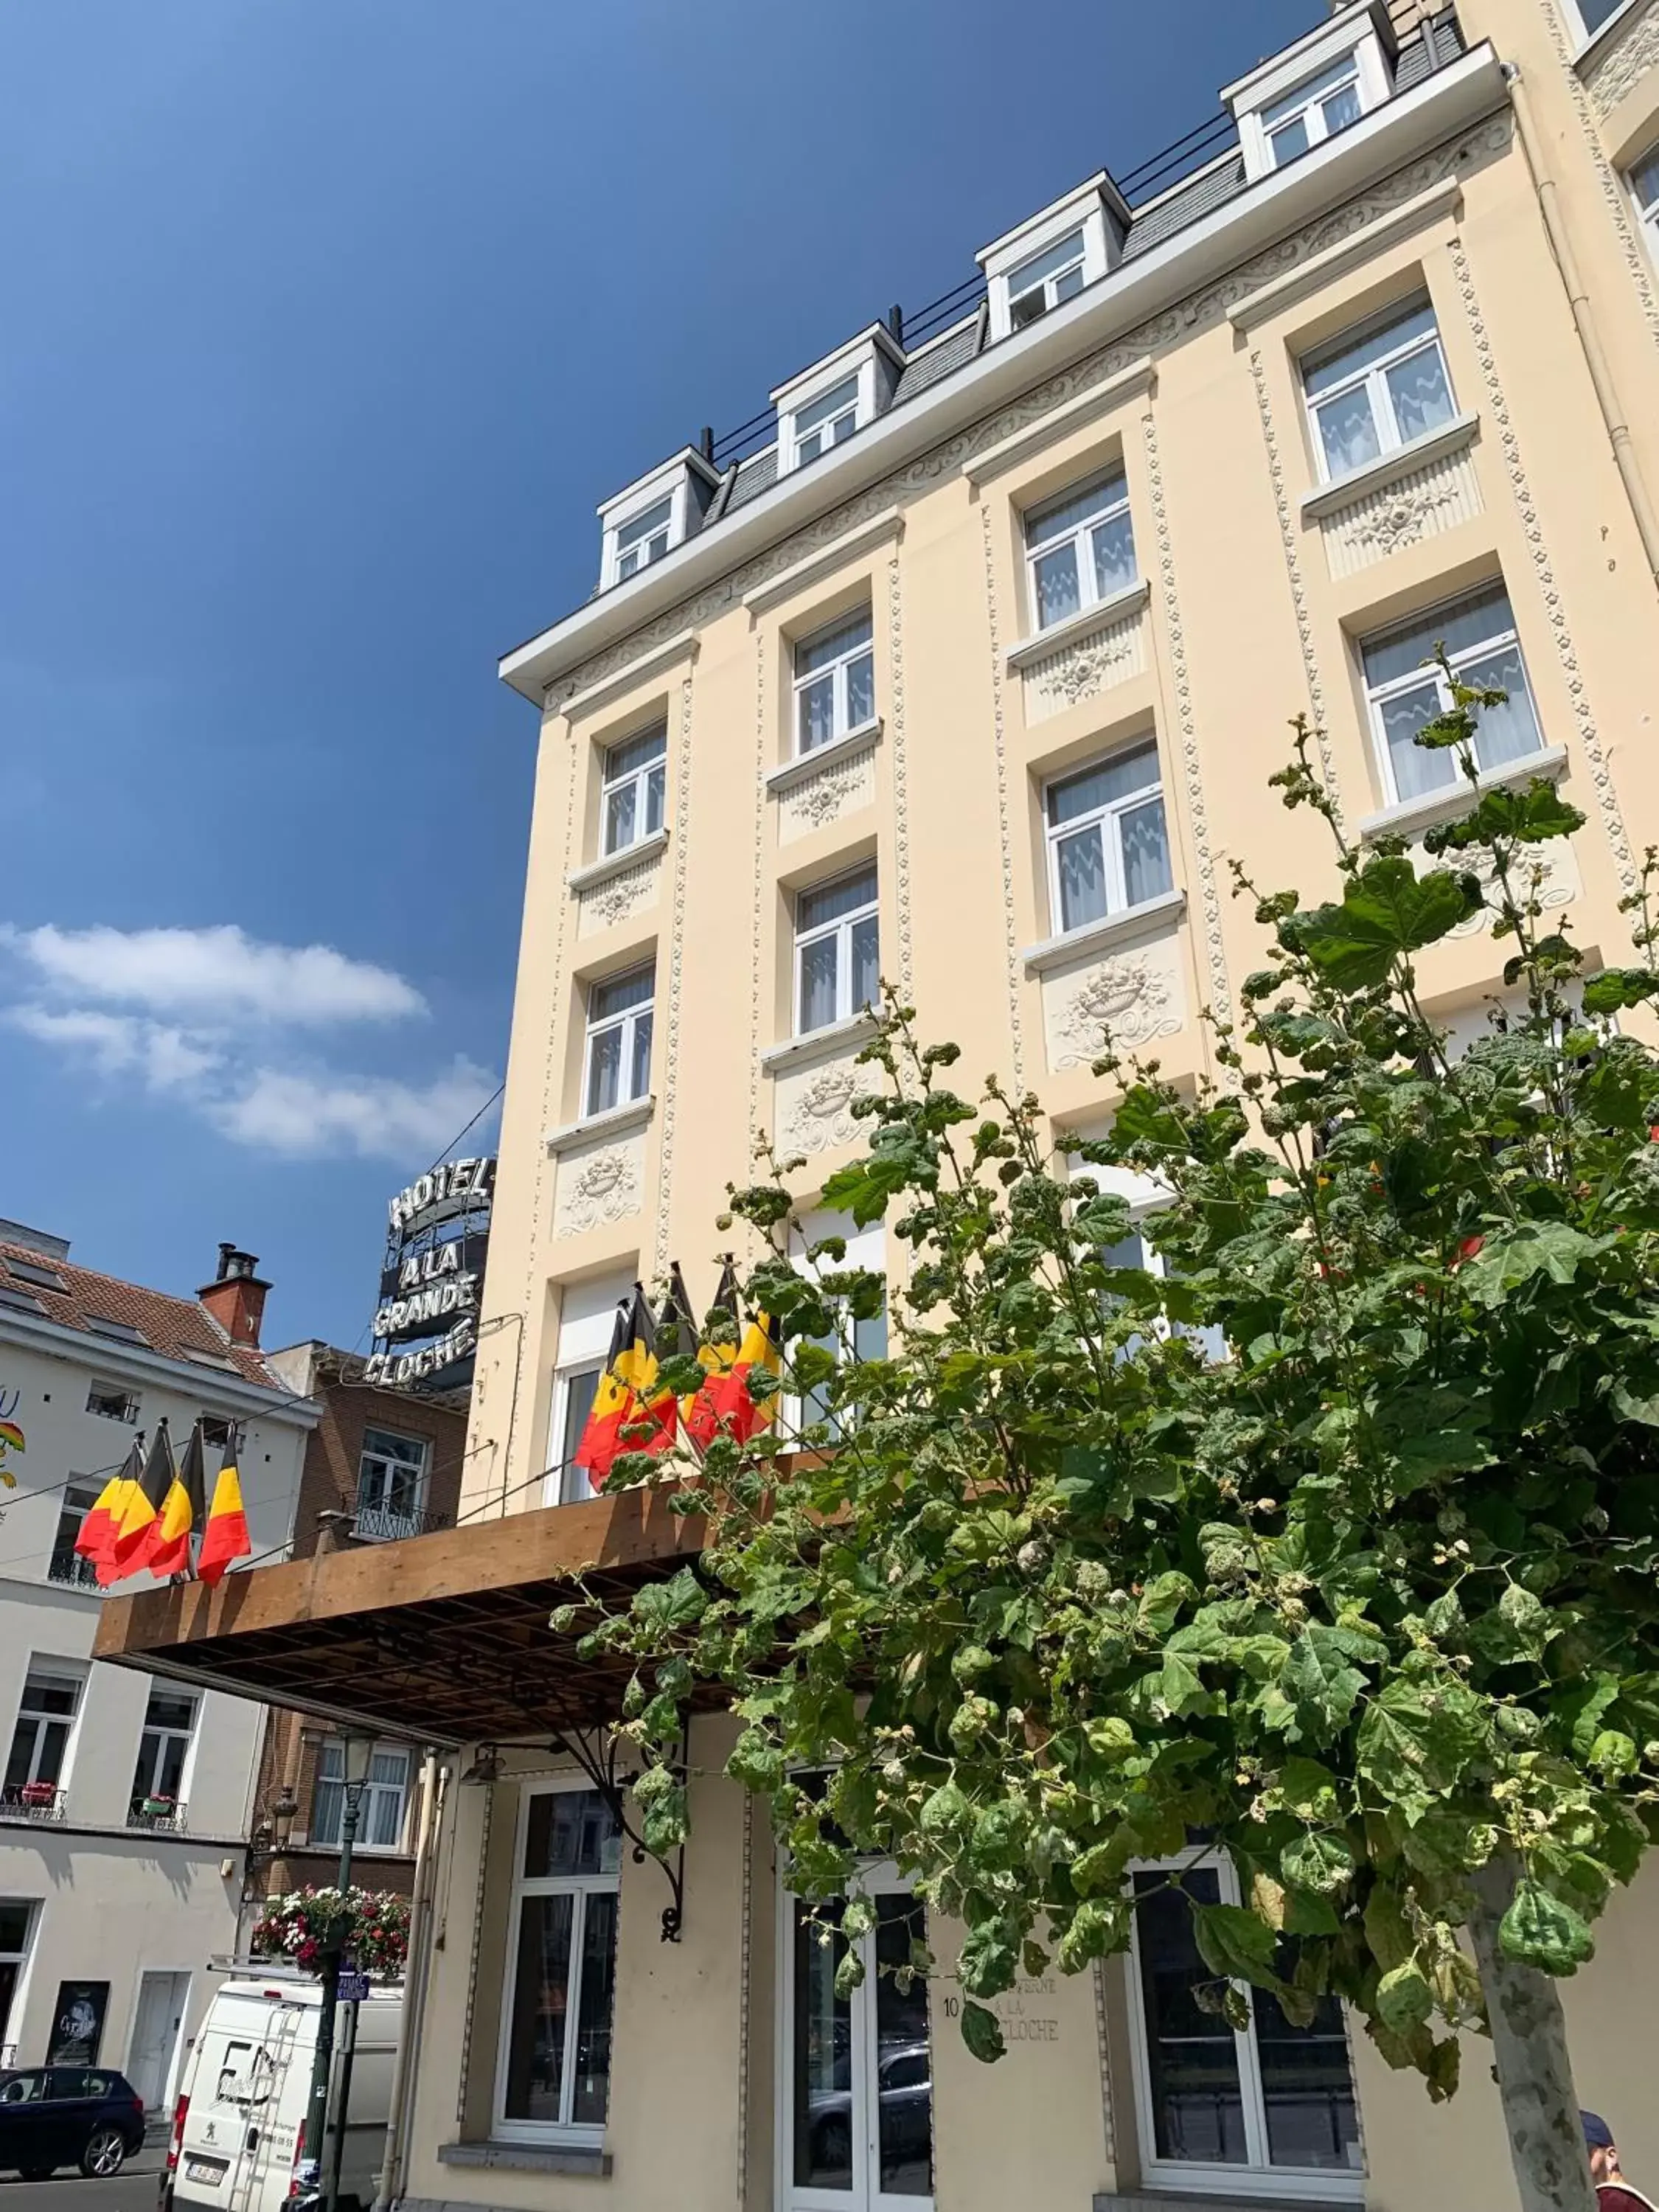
827, 421
1314, 112
826, 403
645, 539
1050, 257
642, 525
1045, 280
1315, 90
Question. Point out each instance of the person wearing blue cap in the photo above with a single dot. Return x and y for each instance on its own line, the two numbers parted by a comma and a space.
1612, 2192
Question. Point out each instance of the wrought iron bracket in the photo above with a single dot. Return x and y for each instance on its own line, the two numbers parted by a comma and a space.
599, 1755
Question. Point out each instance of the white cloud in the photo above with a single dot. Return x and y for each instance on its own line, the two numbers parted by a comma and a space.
305, 1115
119, 1044
196, 1017
213, 975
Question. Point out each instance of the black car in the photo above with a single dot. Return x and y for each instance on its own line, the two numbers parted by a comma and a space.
53, 2116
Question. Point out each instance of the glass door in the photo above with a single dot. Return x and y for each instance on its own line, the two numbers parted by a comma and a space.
855, 2088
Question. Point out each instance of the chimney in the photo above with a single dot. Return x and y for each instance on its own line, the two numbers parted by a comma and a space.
236, 1297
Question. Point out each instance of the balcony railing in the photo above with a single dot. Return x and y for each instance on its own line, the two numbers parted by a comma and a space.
74, 1572
373, 1521
32, 1801
160, 1815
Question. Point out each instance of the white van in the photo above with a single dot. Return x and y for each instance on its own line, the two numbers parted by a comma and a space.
237, 2129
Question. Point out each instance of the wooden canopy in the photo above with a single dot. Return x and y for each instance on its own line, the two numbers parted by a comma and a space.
443, 1637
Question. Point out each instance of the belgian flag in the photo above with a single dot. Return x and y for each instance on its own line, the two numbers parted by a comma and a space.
627, 1413
725, 1403
225, 1538
181, 1511
96, 1541
140, 1507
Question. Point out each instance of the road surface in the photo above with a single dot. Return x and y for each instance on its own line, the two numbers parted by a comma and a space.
132, 2189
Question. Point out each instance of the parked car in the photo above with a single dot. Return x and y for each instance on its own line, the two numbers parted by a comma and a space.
53, 2116
239, 2126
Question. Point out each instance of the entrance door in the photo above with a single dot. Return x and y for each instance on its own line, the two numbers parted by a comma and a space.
856, 2084
160, 2015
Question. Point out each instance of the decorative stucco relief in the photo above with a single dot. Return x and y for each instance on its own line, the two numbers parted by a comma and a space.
815, 1107
1630, 51
1004, 820
1155, 336
1613, 195
824, 798
757, 890
1198, 814
1608, 807
1084, 668
1546, 873
676, 969
900, 780
618, 896
599, 1187
1433, 499
1134, 997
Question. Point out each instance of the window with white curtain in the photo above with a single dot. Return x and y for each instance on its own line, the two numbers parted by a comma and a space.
1265, 2109
1406, 691
632, 786
1644, 184
1313, 111
618, 1062
382, 1808
1079, 550
1108, 845
835, 682
837, 949
1377, 389
553, 2076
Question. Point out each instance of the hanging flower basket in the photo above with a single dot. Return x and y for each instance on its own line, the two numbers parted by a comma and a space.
40, 1793
156, 1808
300, 1927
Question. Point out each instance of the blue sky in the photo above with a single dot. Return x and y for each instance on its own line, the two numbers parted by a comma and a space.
328, 324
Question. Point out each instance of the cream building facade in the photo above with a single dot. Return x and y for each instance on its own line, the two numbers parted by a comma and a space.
970, 672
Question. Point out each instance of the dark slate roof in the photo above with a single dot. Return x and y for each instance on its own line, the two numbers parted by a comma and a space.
757, 474
943, 355
1186, 203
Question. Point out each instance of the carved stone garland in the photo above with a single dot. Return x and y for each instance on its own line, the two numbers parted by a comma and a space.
1612, 189
901, 780
1000, 745
676, 963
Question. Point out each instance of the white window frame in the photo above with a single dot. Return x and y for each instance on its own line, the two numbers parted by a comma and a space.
1326, 83
645, 539
867, 1248
627, 1022
165, 1733
830, 418
1351, 34
1378, 695
332, 1749
671, 481
1048, 285
1374, 378
65, 1671
119, 1404
841, 930
1093, 208
1587, 37
874, 1879
838, 670
1647, 211
1114, 483
388, 1464
1146, 1198
642, 778
23, 1960
872, 361
1108, 819
578, 2134
1322, 2184
567, 1483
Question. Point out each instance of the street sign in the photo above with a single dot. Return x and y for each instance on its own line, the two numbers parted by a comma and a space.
353, 1987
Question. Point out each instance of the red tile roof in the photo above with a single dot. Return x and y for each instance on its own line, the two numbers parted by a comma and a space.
175, 1328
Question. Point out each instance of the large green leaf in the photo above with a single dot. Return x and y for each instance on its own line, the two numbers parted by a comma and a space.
1234, 1943
1416, 1743
1542, 1931
1321, 1685
1387, 912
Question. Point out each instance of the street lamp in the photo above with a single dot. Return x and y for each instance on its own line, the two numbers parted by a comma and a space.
356, 1752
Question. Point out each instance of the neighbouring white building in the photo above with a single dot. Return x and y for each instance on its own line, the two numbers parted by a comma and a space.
126, 1800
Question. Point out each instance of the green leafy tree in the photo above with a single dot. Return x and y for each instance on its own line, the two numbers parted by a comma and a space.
1369, 1601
